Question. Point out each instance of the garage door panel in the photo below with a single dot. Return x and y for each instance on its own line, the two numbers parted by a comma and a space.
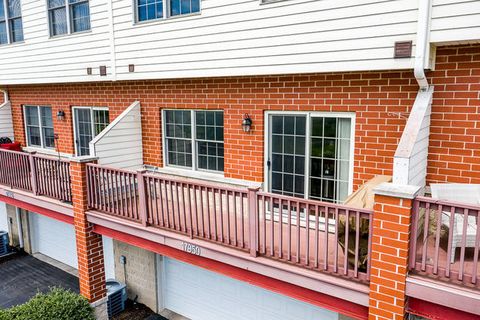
203, 295
54, 239
3, 217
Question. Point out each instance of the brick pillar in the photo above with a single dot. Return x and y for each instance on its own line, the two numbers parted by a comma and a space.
91, 270
390, 250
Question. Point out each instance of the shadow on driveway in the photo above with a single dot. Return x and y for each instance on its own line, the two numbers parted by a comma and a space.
23, 276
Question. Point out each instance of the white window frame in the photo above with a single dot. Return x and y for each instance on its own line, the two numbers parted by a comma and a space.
68, 8
193, 139
40, 126
309, 115
166, 13
92, 109
7, 23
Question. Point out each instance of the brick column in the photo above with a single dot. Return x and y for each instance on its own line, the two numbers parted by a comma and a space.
390, 245
91, 270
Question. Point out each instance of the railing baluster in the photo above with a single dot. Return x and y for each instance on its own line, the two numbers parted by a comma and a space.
357, 242
437, 238
280, 226
425, 236
347, 235
463, 244
477, 245
298, 233
450, 238
272, 227
325, 246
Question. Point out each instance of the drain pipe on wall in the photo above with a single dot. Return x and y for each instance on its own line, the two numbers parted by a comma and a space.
5, 96
410, 162
422, 50
19, 227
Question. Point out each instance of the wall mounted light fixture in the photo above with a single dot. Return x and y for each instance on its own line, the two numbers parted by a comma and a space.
60, 115
246, 123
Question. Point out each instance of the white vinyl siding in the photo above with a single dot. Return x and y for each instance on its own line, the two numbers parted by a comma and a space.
61, 59
230, 38
246, 38
455, 20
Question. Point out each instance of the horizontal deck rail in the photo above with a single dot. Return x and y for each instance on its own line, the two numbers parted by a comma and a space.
321, 236
34, 173
446, 240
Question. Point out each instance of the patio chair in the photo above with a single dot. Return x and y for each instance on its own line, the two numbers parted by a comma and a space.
467, 193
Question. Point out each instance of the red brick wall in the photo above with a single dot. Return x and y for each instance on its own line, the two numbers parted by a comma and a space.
373, 96
455, 129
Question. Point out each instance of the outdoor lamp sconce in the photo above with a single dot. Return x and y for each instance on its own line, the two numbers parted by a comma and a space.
246, 123
60, 115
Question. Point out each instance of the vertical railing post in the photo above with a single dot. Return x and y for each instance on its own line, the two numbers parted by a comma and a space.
33, 173
253, 220
142, 196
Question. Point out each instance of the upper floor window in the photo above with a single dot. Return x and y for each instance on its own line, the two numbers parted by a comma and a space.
194, 139
68, 16
158, 9
39, 126
11, 28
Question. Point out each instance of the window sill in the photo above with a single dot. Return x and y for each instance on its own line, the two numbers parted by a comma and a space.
205, 176
67, 35
47, 152
166, 20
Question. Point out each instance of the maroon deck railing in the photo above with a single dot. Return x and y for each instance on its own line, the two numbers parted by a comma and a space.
52, 178
445, 241
327, 237
15, 170
113, 191
37, 174
318, 235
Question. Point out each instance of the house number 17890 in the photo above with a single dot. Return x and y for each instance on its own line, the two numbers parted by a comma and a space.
191, 248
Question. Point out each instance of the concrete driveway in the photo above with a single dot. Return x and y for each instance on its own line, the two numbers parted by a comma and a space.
23, 276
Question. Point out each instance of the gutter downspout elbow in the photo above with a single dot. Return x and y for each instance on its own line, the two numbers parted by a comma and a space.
5, 96
423, 30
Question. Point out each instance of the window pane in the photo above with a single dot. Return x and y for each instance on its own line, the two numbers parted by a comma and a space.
80, 17
48, 138
46, 114
288, 155
58, 21
32, 116
14, 10
149, 9
210, 156
3, 33
2, 11
178, 7
33, 134
56, 3
101, 120
16, 29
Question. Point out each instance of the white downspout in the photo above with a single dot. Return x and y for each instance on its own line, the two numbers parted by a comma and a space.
422, 47
19, 228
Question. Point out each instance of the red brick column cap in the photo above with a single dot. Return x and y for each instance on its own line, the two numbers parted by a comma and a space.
397, 190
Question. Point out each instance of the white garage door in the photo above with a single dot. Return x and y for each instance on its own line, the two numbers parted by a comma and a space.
3, 217
54, 239
199, 294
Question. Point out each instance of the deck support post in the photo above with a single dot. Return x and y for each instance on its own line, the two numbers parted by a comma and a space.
91, 270
390, 250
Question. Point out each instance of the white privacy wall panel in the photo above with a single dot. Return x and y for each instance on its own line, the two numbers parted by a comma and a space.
119, 145
245, 37
455, 21
6, 124
65, 58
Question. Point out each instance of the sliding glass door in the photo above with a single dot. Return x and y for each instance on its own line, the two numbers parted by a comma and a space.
309, 155
89, 122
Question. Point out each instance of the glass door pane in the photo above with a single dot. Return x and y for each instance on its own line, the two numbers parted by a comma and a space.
83, 130
287, 154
